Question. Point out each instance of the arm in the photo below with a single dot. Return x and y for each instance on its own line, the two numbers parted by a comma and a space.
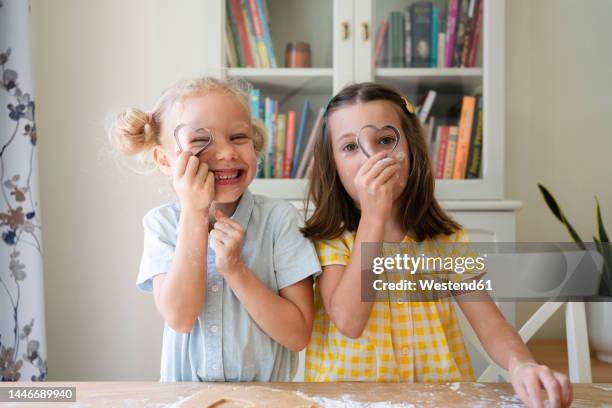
341, 286
287, 317
507, 349
179, 294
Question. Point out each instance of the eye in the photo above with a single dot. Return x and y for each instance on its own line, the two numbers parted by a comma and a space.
239, 137
385, 140
349, 147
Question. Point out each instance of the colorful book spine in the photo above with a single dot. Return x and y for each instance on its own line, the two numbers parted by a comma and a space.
460, 34
297, 153
242, 31
442, 147
259, 37
235, 35
451, 150
468, 106
380, 39
269, 157
255, 99
434, 37
475, 37
250, 32
266, 33
468, 34
307, 156
451, 25
230, 48
279, 148
433, 148
290, 144
475, 158
426, 107
407, 37
420, 13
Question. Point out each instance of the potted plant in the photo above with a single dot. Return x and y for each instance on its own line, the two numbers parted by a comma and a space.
599, 314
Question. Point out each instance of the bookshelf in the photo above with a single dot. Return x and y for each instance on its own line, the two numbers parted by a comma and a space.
342, 35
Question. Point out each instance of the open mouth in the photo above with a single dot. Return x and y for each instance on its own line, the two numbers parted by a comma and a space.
228, 176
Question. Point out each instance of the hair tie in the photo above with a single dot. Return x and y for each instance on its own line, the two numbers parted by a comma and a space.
409, 106
149, 117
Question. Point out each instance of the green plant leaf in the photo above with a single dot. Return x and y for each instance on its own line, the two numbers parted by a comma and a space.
605, 286
603, 236
556, 210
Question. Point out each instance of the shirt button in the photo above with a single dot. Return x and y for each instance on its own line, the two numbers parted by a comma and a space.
215, 288
405, 350
213, 328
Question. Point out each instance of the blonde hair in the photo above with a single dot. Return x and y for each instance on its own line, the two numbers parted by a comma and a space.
134, 131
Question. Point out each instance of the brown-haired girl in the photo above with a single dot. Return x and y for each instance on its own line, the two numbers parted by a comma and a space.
378, 192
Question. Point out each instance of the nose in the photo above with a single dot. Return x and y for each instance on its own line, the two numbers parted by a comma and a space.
224, 150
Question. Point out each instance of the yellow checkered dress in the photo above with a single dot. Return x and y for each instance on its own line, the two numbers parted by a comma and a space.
409, 341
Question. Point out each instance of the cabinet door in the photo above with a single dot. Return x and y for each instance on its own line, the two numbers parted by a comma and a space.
344, 31
363, 39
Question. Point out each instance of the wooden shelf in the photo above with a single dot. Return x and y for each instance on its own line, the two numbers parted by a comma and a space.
469, 78
553, 353
308, 80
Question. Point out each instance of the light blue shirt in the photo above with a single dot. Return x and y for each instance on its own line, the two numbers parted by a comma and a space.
225, 343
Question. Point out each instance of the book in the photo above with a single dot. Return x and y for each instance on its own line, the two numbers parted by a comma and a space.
433, 148
396, 40
255, 101
242, 32
441, 38
427, 104
429, 136
250, 32
462, 16
230, 49
434, 37
474, 158
441, 154
420, 13
260, 43
380, 39
279, 148
451, 24
269, 116
235, 36
407, 37
261, 10
297, 151
289, 144
466, 118
451, 149
475, 37
308, 151
468, 33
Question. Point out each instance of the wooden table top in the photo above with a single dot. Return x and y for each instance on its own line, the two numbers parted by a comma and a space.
359, 395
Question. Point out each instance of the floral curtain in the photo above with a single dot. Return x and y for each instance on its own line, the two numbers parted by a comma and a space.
23, 349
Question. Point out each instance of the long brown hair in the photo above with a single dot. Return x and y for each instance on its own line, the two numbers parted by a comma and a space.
335, 212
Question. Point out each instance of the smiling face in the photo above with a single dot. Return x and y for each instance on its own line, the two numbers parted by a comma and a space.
344, 125
231, 156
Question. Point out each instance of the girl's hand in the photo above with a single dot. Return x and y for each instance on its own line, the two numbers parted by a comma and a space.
226, 241
374, 184
193, 183
529, 378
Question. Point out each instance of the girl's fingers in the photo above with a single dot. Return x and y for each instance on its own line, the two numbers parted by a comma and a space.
371, 162
209, 183
553, 389
181, 163
519, 387
566, 388
532, 383
224, 225
386, 175
192, 166
380, 167
202, 172
218, 234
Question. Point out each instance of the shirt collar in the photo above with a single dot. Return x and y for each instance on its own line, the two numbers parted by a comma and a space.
243, 211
